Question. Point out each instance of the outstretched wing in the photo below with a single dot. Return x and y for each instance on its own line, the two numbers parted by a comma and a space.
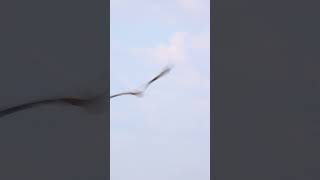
137, 93
164, 72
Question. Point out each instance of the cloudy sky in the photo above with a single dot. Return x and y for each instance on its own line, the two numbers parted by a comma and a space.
165, 134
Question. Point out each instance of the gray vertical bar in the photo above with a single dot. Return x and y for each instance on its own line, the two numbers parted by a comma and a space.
54, 73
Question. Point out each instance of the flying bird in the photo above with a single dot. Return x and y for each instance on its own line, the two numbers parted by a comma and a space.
139, 93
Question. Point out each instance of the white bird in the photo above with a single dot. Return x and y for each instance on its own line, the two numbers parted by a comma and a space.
139, 93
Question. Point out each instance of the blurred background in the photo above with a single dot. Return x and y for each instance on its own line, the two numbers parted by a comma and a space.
166, 134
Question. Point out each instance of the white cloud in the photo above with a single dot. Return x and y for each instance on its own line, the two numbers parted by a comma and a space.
178, 50
200, 40
185, 51
172, 52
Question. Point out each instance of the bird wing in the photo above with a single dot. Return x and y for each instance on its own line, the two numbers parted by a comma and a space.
164, 72
133, 93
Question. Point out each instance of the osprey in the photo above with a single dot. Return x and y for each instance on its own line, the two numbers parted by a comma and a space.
139, 93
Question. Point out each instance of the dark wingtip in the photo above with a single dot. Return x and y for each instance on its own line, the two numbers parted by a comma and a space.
166, 70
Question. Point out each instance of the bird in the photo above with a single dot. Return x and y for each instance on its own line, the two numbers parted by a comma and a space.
140, 93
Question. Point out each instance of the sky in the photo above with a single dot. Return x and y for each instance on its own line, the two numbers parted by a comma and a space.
165, 134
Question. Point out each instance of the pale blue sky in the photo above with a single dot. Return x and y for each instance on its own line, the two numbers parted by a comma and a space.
164, 135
